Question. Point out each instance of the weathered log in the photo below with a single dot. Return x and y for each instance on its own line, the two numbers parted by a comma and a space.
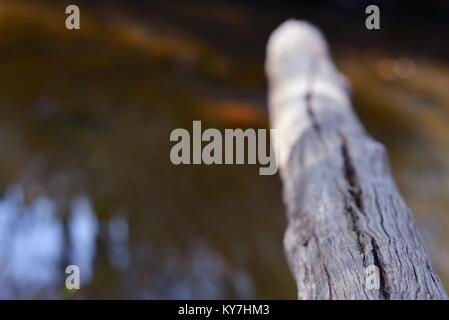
345, 213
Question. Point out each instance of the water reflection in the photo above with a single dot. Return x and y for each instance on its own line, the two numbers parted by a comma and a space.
35, 250
33, 244
201, 273
83, 228
118, 243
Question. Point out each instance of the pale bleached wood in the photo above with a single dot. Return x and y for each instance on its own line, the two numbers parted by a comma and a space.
344, 210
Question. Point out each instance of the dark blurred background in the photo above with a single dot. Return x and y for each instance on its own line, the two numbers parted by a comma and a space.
85, 119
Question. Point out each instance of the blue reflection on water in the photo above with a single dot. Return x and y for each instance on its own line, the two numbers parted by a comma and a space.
83, 228
118, 233
35, 248
32, 244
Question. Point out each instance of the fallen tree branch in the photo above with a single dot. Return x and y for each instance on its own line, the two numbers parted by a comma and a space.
345, 214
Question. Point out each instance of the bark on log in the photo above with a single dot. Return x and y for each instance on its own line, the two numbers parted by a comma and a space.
344, 210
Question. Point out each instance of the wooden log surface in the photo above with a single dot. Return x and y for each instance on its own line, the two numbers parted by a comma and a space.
345, 213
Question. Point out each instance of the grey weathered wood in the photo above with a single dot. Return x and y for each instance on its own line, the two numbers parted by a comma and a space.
344, 210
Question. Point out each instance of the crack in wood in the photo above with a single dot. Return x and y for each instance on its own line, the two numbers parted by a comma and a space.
356, 197
383, 290
329, 286
350, 178
310, 113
